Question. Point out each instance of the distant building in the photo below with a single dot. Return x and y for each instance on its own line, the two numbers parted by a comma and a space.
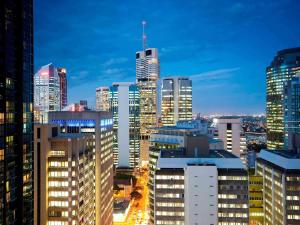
100, 126
64, 177
147, 76
208, 189
285, 65
46, 92
280, 172
229, 131
84, 103
62, 73
102, 99
124, 101
291, 112
176, 100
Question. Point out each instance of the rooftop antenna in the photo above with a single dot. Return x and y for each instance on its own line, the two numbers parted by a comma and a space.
144, 35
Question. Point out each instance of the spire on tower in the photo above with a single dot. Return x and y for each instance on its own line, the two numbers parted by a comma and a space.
144, 35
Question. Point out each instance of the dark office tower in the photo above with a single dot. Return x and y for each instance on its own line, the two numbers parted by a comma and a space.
284, 66
16, 137
62, 73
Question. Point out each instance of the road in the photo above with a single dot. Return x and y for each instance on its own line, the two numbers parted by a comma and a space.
139, 212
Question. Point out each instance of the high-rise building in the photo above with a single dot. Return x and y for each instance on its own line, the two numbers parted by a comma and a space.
280, 172
291, 111
62, 73
102, 99
176, 100
124, 101
285, 65
206, 189
229, 131
100, 126
185, 135
147, 76
16, 98
46, 92
64, 177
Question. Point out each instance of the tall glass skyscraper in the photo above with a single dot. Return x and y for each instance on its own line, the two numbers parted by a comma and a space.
284, 66
16, 95
147, 76
47, 95
124, 101
176, 100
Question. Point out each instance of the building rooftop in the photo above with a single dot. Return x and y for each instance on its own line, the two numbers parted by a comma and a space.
220, 158
282, 158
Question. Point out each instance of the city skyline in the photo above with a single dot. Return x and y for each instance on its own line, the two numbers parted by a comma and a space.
215, 48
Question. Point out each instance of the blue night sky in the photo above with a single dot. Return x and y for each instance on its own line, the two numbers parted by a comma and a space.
223, 46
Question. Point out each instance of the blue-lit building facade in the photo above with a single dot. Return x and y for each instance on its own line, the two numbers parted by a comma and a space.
285, 66
291, 111
124, 104
100, 126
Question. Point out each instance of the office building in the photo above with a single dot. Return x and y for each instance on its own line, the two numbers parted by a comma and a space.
256, 210
211, 188
291, 112
176, 100
285, 65
124, 101
62, 73
84, 103
16, 91
186, 135
99, 125
47, 94
64, 177
102, 99
280, 172
229, 131
147, 76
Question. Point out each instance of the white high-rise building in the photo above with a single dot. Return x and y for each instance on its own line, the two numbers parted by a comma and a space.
147, 76
124, 101
46, 92
102, 99
229, 131
176, 100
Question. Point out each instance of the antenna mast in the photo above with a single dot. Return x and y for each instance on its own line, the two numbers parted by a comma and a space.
144, 35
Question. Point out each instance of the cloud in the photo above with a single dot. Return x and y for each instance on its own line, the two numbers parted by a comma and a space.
80, 75
214, 74
114, 61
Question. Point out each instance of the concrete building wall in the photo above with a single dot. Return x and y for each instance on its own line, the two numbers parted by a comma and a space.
201, 195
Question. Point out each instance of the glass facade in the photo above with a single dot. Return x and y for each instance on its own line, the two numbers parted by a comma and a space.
291, 111
47, 95
284, 66
133, 109
176, 100
62, 73
16, 134
147, 75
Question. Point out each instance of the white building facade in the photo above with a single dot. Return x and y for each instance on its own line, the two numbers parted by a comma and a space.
102, 99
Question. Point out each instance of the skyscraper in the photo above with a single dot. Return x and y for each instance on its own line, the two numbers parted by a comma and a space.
147, 75
176, 100
291, 111
64, 177
284, 66
62, 73
124, 101
100, 126
102, 99
16, 97
46, 92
